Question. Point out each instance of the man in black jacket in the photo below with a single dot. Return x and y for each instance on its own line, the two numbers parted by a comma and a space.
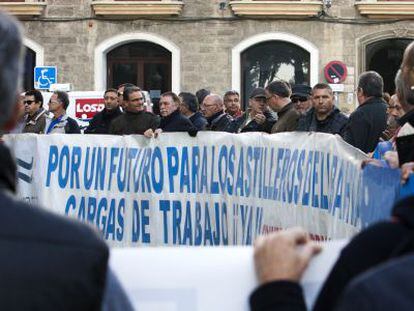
369, 120
171, 118
47, 262
324, 116
135, 120
213, 109
189, 107
101, 122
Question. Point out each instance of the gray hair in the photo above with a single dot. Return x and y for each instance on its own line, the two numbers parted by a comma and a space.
11, 65
371, 84
216, 99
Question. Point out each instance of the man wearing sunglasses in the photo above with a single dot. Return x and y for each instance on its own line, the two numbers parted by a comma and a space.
301, 98
60, 122
36, 115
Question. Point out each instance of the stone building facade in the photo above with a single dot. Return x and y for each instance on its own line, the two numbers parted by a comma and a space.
205, 41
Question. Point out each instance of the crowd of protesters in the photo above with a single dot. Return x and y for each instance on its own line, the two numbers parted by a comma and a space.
276, 108
373, 272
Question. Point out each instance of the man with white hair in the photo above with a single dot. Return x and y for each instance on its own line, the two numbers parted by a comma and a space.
213, 110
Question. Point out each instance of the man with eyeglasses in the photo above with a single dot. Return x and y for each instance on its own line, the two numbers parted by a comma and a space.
60, 122
36, 115
135, 120
301, 98
213, 110
394, 107
101, 122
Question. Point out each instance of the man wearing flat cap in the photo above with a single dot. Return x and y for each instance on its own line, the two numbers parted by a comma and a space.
258, 118
301, 98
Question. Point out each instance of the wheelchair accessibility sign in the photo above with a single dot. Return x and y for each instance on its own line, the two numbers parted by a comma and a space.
44, 77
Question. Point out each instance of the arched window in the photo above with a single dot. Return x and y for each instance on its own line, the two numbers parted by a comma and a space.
29, 65
273, 60
267, 56
144, 64
385, 57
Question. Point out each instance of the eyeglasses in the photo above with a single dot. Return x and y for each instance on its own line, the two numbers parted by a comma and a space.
28, 102
207, 106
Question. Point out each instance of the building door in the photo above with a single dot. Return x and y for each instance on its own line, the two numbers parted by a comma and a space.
28, 70
142, 63
385, 57
273, 60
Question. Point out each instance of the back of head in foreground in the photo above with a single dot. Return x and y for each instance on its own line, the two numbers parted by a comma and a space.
47, 262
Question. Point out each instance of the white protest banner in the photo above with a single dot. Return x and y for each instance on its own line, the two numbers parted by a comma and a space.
214, 189
198, 279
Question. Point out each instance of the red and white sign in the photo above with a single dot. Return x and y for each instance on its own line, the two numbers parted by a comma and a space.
335, 72
86, 108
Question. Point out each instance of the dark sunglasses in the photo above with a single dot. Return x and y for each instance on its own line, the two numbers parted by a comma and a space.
299, 99
28, 102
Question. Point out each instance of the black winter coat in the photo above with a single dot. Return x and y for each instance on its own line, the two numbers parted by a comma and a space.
176, 122
366, 125
101, 122
219, 122
334, 124
49, 262
130, 123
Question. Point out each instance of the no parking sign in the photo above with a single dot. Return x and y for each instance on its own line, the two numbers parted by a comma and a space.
335, 72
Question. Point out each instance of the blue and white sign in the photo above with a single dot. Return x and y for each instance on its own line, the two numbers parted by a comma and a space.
44, 77
213, 189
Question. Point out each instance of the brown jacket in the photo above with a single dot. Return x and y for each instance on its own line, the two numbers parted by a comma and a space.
133, 123
36, 124
287, 119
